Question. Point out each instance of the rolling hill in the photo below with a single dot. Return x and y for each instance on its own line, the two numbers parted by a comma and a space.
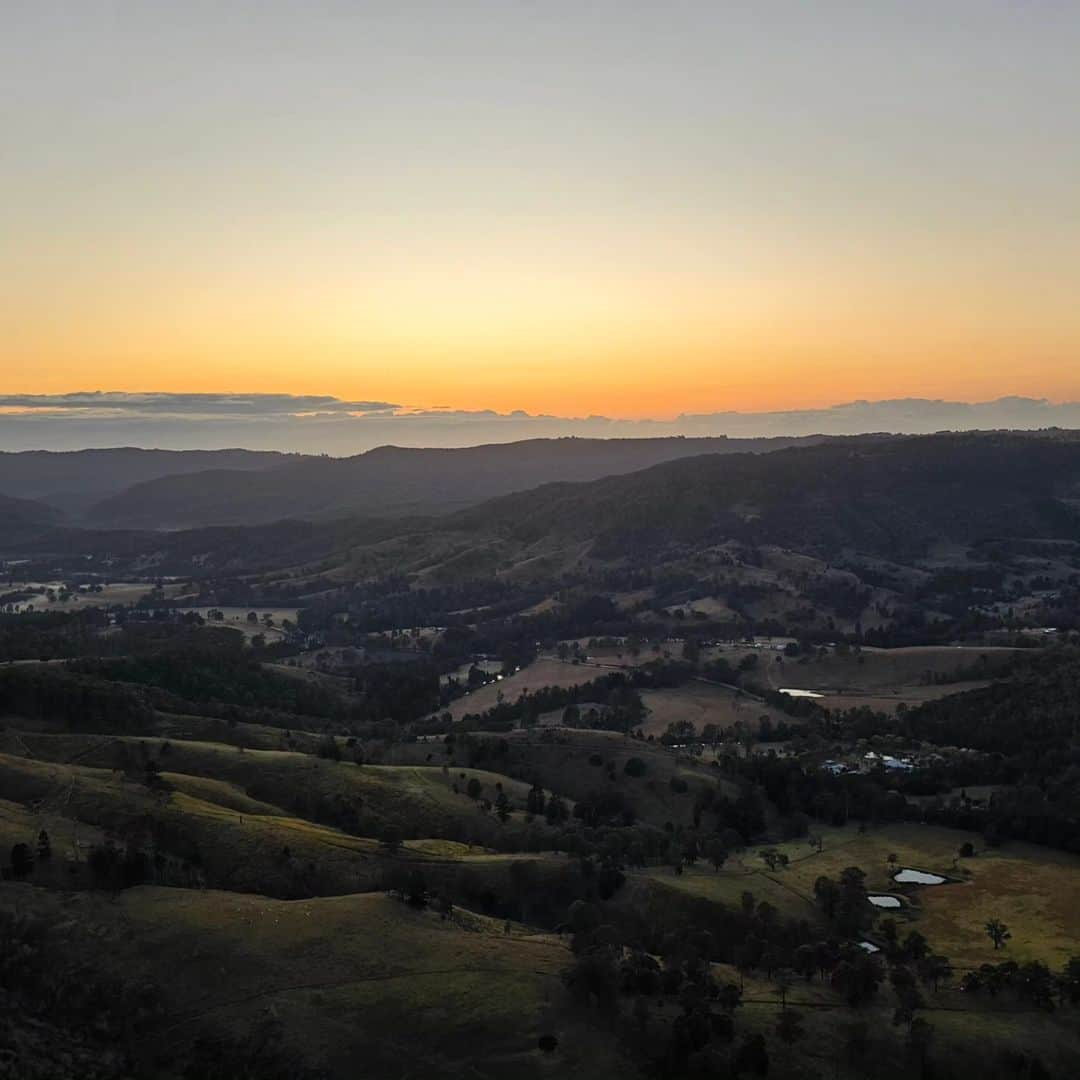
390, 480
74, 480
892, 497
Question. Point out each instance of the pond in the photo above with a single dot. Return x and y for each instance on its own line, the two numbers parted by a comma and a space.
800, 693
869, 947
884, 901
908, 876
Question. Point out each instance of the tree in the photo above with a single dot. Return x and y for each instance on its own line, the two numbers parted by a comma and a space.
1070, 980
916, 947
805, 961
502, 807
594, 977
473, 788
22, 860
920, 1035
783, 980
716, 853
856, 1040
857, 978
44, 846
908, 998
152, 774
752, 1056
556, 812
535, 800
935, 969
998, 933
391, 840
771, 857
789, 1029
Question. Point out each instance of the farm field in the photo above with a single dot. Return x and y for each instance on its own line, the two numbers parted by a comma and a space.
882, 669
703, 703
1030, 888
119, 592
236, 618
978, 1035
887, 701
535, 676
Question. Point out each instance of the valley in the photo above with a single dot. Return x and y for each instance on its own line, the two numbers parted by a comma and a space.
605, 777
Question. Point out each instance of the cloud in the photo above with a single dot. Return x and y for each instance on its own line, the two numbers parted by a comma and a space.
115, 404
325, 424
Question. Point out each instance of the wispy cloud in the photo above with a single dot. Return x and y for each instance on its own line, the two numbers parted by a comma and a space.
326, 424
115, 404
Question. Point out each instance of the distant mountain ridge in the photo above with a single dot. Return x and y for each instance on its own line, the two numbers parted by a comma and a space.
888, 496
391, 480
73, 480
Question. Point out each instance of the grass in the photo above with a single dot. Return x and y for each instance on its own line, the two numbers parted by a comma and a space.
361, 984
535, 676
973, 1031
562, 759
118, 592
727, 886
703, 703
1030, 888
417, 800
879, 669
271, 853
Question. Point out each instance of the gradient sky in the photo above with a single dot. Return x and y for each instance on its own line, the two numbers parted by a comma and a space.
617, 207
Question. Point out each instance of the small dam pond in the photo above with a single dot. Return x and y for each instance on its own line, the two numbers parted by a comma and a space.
884, 901
908, 876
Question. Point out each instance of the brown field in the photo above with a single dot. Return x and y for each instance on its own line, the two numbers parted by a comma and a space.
887, 700
879, 669
702, 703
1032, 889
712, 606
120, 592
534, 677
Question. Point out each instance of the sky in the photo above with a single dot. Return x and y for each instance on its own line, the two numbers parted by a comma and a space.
569, 208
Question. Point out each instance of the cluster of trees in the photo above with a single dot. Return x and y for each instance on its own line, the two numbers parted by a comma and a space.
1032, 982
63, 1018
82, 702
52, 635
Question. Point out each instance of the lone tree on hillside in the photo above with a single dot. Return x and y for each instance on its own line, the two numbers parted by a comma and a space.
391, 840
717, 853
22, 860
998, 933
